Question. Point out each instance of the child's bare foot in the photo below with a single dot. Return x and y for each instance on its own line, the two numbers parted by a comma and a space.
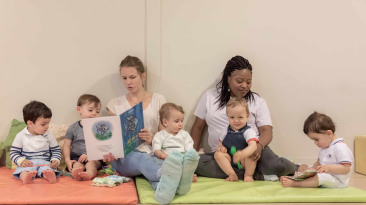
84, 176
27, 177
49, 175
232, 178
76, 174
286, 182
302, 167
248, 178
194, 178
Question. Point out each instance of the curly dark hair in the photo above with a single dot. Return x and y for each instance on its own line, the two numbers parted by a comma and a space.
235, 63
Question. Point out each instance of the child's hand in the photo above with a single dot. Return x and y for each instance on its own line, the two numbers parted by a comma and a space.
69, 164
54, 164
83, 158
323, 168
163, 155
221, 149
26, 163
237, 157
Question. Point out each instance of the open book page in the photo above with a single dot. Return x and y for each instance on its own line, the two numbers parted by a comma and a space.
303, 175
114, 134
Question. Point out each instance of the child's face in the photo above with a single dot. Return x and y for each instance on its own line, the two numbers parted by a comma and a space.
238, 117
89, 110
39, 127
322, 140
174, 123
132, 79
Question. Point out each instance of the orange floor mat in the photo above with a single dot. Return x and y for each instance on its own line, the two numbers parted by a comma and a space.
64, 191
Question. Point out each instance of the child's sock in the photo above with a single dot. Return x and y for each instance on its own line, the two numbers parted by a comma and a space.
170, 176
190, 162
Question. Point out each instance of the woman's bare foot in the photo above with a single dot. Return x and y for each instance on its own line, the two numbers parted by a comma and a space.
49, 175
232, 178
286, 182
248, 178
27, 177
194, 179
76, 174
84, 176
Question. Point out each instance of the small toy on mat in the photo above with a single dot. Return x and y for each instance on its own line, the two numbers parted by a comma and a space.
303, 175
110, 181
108, 170
233, 151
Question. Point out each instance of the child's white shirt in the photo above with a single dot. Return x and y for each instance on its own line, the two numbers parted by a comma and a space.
337, 153
181, 142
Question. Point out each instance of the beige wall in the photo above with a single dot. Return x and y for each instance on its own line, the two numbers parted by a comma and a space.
306, 56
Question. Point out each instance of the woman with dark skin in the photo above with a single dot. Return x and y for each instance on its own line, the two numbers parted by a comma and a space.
211, 113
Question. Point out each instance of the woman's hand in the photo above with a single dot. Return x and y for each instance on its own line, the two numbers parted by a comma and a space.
257, 154
146, 135
109, 157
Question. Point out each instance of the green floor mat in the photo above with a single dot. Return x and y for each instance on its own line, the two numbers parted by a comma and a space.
210, 190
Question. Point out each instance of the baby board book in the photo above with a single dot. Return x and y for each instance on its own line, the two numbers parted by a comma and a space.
116, 134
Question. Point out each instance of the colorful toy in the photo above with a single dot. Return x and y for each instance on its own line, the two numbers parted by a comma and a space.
233, 151
108, 170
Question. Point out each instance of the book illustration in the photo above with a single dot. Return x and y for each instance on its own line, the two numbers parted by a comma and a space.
303, 175
132, 122
102, 130
118, 135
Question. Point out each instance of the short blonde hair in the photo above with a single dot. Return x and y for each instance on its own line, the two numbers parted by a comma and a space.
233, 102
164, 111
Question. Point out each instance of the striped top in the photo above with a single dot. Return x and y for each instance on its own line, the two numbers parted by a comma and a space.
29, 146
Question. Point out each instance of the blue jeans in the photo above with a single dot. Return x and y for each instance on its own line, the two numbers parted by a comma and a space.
137, 163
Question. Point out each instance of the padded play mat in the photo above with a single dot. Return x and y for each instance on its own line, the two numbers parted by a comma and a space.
209, 190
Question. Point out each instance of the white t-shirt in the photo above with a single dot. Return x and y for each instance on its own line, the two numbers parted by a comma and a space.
217, 121
337, 153
181, 142
151, 114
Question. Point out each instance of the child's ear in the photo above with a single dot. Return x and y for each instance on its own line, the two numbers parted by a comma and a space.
165, 122
330, 133
78, 108
29, 123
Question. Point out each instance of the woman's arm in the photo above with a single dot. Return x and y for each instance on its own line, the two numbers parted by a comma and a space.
265, 137
198, 127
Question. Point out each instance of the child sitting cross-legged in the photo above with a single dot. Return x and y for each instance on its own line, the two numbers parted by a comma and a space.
238, 135
35, 150
334, 159
175, 147
88, 106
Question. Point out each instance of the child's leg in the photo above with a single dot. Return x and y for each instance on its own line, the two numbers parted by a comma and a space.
77, 168
91, 170
190, 162
311, 182
27, 177
249, 169
171, 173
223, 160
49, 175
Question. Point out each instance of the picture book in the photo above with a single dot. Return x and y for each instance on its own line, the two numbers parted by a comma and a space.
303, 175
115, 134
